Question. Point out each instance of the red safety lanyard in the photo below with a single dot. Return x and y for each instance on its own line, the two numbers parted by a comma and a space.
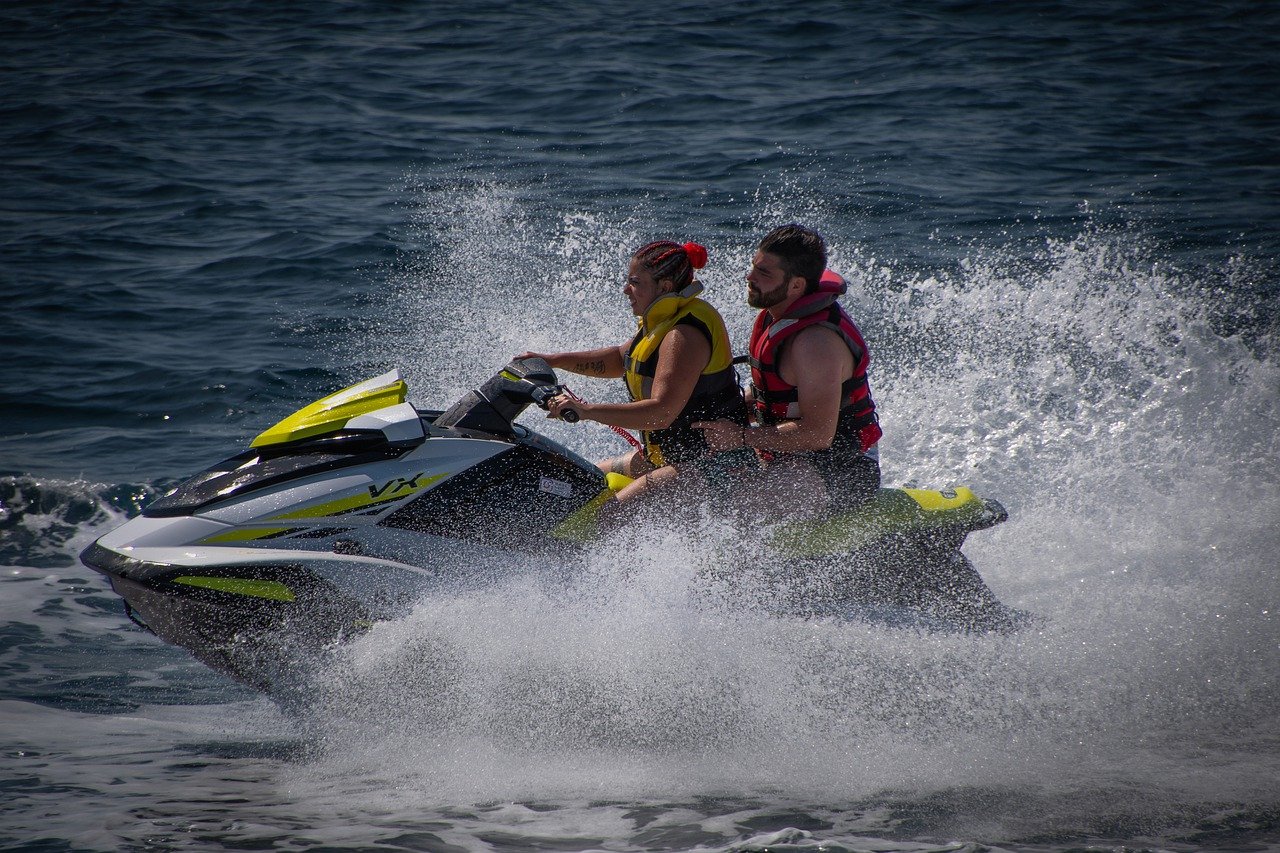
631, 439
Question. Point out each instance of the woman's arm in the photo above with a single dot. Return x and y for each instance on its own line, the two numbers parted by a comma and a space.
606, 362
682, 357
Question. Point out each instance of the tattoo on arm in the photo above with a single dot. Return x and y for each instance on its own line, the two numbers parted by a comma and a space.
596, 366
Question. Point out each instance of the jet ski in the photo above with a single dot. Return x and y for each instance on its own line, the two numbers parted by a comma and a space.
355, 507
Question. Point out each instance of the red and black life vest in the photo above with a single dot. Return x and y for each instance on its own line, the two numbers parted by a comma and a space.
775, 399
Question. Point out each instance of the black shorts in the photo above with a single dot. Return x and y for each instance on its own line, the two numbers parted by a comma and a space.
851, 477
681, 444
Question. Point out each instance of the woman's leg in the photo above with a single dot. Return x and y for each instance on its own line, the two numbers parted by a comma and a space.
634, 464
656, 481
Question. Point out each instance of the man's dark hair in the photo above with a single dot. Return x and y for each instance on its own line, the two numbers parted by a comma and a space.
801, 250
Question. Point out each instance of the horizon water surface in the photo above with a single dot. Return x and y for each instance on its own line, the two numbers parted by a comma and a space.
1060, 227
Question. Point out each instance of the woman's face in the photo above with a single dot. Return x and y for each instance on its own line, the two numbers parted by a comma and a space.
642, 288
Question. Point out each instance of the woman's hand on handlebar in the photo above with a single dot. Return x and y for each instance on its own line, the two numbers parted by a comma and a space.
565, 408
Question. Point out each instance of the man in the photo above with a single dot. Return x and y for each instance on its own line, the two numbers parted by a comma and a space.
818, 428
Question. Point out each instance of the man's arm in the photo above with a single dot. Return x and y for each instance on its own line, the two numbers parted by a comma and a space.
817, 362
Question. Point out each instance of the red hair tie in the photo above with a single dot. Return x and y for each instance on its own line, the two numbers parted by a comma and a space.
697, 255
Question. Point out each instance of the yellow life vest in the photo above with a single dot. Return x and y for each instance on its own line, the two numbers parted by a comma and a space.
718, 382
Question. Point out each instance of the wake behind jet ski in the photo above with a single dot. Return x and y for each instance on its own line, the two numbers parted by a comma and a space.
353, 508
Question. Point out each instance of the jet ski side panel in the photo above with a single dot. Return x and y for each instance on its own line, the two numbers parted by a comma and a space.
513, 500
372, 488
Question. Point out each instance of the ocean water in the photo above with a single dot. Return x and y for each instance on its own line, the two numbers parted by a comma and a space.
1061, 225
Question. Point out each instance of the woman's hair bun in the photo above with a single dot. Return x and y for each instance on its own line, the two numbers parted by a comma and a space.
697, 255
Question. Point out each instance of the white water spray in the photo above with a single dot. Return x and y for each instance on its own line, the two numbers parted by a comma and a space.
1091, 390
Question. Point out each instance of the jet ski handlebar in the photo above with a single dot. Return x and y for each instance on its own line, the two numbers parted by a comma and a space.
542, 395
494, 406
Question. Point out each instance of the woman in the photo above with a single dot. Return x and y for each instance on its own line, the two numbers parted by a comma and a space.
678, 368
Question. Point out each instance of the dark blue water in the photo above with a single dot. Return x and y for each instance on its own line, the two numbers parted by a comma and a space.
1062, 226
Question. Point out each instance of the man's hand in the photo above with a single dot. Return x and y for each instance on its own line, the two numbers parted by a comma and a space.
722, 435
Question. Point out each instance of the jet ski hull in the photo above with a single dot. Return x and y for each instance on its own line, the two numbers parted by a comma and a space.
253, 623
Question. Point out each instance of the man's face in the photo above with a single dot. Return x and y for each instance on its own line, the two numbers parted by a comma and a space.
767, 282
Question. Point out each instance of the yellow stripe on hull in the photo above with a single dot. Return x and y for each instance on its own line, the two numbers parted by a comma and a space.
243, 534
271, 590
357, 501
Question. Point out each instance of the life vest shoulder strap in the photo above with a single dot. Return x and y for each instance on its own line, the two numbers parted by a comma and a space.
767, 343
649, 366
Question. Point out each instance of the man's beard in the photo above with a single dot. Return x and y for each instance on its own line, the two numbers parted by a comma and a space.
760, 299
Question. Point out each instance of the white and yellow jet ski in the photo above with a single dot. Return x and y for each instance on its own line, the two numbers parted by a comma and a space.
353, 508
